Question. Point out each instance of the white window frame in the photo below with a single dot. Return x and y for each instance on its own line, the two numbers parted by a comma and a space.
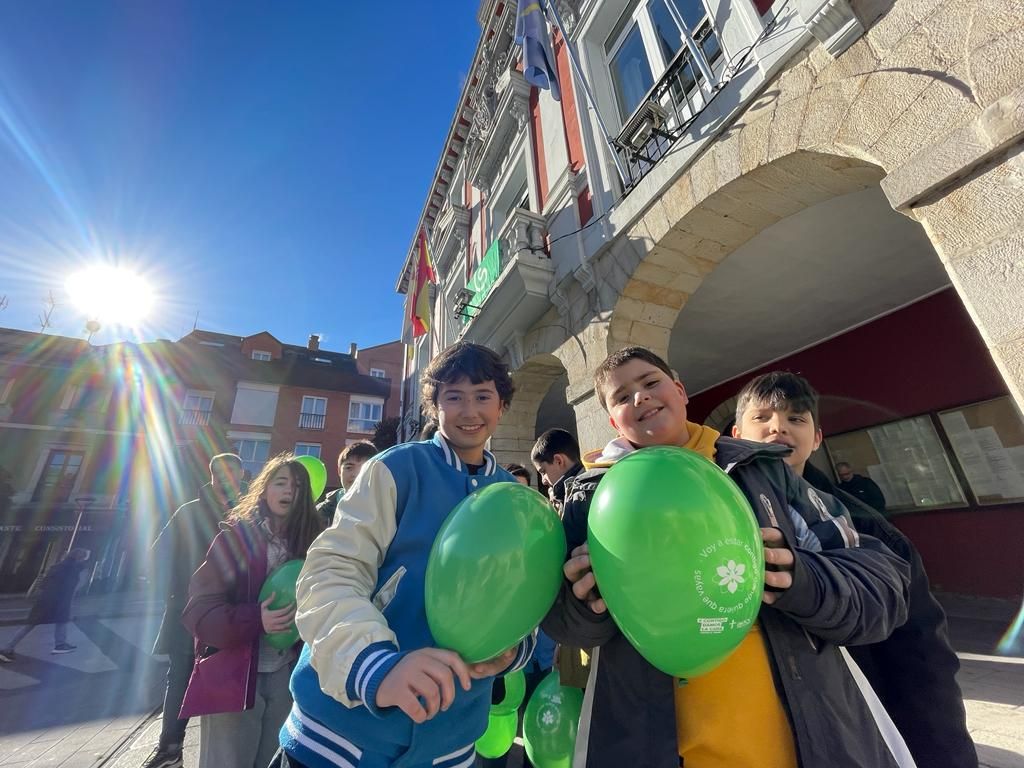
377, 373
358, 424
641, 17
304, 448
262, 355
315, 399
252, 437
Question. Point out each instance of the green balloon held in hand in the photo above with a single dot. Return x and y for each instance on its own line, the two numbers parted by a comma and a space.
281, 583
550, 723
317, 474
677, 555
493, 571
500, 733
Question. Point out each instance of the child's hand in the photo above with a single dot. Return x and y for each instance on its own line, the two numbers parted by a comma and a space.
427, 674
491, 667
584, 585
776, 554
278, 620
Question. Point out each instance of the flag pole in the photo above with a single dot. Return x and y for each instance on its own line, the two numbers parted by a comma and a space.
574, 60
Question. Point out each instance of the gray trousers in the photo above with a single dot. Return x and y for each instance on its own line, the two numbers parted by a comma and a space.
60, 634
248, 739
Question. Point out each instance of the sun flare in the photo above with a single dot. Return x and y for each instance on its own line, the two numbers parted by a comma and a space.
111, 295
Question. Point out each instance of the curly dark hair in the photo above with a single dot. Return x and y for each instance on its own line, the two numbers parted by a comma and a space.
474, 361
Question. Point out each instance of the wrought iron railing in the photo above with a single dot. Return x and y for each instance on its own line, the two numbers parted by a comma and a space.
193, 416
669, 107
311, 420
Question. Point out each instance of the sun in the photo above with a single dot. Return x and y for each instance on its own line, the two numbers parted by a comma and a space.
111, 295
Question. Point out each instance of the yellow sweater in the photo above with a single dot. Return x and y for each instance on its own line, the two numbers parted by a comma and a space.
732, 716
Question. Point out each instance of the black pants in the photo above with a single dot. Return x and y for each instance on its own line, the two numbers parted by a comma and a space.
172, 730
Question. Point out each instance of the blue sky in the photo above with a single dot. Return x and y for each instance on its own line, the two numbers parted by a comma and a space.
262, 163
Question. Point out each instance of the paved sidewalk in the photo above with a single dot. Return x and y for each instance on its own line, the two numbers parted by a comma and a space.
98, 707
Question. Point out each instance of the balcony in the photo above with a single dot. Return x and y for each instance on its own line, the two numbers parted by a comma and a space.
312, 421
668, 109
497, 123
517, 295
192, 416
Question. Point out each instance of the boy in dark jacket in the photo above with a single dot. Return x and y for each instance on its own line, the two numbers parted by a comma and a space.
786, 696
914, 670
53, 606
556, 457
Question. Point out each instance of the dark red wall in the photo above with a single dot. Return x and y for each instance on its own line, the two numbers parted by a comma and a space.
926, 357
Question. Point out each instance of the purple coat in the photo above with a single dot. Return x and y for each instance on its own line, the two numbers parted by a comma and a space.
223, 614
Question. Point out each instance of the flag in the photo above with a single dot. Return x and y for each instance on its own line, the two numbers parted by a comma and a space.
419, 307
532, 34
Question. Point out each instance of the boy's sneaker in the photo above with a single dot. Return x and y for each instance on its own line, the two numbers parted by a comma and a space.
6, 656
164, 757
64, 648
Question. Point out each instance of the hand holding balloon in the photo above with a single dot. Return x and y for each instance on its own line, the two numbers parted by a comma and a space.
427, 674
780, 557
276, 620
584, 585
492, 667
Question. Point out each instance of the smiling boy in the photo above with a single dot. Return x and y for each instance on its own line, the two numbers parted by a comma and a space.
785, 697
370, 687
914, 669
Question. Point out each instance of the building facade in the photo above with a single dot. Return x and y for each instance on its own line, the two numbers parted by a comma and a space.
782, 181
98, 445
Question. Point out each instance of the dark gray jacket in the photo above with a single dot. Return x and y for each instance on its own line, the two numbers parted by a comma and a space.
178, 551
842, 595
913, 670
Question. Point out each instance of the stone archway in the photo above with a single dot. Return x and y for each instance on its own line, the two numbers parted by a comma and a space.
928, 102
516, 433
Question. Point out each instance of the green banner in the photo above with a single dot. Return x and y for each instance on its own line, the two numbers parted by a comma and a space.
485, 275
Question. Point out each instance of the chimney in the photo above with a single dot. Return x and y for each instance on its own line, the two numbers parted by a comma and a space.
353, 349
314, 342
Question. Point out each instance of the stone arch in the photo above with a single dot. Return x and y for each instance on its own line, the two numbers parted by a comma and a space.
695, 235
824, 127
723, 415
516, 433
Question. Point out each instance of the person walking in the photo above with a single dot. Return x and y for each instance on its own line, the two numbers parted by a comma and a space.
179, 549
53, 605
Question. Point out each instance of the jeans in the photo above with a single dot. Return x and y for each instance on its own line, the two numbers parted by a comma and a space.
60, 634
172, 730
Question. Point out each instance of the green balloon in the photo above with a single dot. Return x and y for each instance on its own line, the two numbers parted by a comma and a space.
678, 558
515, 691
550, 722
281, 583
500, 733
494, 570
317, 474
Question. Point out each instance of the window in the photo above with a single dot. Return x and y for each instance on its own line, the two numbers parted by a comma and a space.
647, 40
364, 414
6, 385
307, 449
197, 408
253, 452
314, 412
259, 354
59, 475
83, 397
255, 404
378, 373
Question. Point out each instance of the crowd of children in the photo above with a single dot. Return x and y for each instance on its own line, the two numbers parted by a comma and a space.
848, 663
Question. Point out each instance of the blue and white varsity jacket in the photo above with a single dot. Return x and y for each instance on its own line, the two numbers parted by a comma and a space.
360, 607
